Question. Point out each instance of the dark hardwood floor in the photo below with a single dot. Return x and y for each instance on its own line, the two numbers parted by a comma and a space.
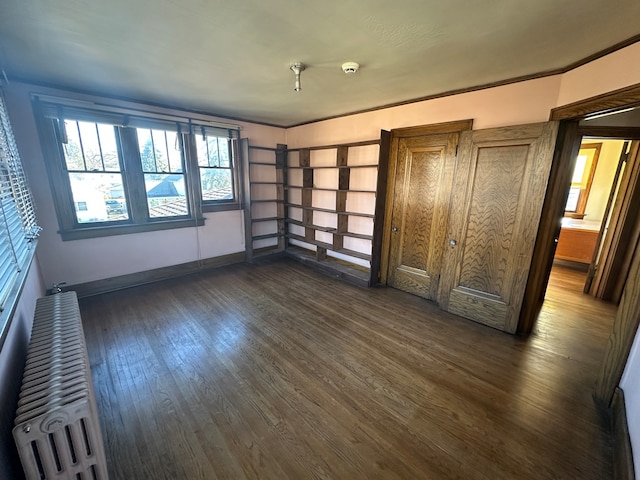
274, 371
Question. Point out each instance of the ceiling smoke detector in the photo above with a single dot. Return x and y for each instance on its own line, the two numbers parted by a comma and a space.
350, 67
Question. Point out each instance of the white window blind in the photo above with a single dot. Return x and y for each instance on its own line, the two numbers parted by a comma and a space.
18, 226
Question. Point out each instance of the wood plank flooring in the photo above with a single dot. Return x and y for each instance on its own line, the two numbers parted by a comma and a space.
275, 371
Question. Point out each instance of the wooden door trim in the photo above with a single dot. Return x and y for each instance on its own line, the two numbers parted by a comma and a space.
622, 336
626, 322
396, 134
567, 147
379, 212
434, 129
607, 102
621, 237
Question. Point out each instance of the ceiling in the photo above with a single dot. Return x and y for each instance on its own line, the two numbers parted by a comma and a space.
232, 58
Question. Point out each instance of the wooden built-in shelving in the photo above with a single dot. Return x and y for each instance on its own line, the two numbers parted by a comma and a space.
316, 215
264, 232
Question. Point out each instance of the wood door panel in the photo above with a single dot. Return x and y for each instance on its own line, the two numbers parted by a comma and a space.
422, 187
495, 210
491, 219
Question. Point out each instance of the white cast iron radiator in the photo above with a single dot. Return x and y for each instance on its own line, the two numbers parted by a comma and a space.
57, 430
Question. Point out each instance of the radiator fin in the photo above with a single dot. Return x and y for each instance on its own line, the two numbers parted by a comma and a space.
57, 430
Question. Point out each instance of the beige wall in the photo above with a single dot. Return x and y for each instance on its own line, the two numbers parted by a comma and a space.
82, 261
603, 178
612, 72
518, 103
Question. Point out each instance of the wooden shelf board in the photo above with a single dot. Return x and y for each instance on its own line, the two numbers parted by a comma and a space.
319, 167
266, 236
289, 187
266, 219
329, 230
341, 270
267, 200
327, 210
328, 246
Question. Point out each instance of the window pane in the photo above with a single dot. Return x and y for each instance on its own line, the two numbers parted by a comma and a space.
216, 183
73, 149
159, 151
166, 195
98, 197
90, 147
213, 152
572, 200
109, 147
579, 170
223, 149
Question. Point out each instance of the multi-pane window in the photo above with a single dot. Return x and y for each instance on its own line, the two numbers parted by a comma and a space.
581, 180
95, 175
115, 173
164, 180
216, 168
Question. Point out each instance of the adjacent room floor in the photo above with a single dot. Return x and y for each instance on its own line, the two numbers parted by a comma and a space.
274, 371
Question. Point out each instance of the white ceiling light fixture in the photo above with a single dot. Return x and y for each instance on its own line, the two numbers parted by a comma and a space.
350, 67
297, 68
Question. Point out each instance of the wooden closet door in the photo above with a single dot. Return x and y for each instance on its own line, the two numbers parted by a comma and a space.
498, 192
422, 188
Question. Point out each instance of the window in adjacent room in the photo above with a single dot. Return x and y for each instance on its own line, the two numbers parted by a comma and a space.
582, 179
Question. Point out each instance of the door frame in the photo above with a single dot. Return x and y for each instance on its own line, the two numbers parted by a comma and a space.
628, 316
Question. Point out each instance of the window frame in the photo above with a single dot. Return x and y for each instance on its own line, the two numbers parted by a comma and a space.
589, 173
130, 168
18, 224
223, 204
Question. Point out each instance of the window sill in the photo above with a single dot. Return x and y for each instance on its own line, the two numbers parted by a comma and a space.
107, 231
220, 207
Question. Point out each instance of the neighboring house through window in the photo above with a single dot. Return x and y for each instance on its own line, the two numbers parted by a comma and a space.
114, 172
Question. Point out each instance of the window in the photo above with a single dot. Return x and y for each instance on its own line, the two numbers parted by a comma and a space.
165, 185
582, 179
18, 227
92, 163
114, 173
216, 168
